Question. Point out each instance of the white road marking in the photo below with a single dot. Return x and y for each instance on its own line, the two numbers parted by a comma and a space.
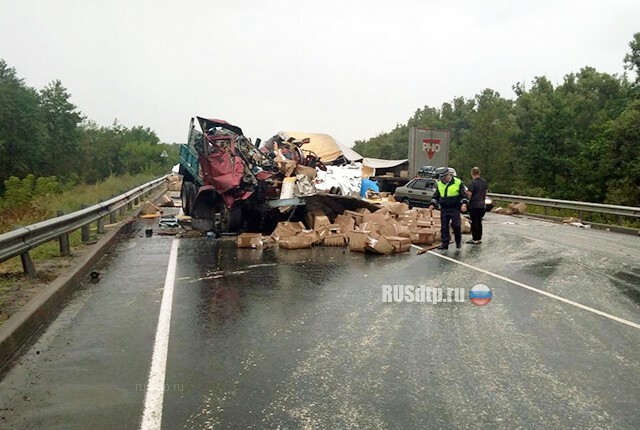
154, 395
544, 293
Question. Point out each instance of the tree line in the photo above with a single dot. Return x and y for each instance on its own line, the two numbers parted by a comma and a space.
45, 135
578, 140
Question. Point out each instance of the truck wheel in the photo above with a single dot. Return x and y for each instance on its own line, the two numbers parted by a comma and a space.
188, 196
230, 219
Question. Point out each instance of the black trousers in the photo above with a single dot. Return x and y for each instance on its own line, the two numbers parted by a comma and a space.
476, 215
450, 215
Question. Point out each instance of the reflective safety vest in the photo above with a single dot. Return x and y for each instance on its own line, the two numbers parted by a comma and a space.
449, 190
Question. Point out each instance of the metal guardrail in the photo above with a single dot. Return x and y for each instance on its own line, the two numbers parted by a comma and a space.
620, 211
23, 239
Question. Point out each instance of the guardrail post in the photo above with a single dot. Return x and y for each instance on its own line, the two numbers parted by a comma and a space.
101, 229
85, 230
580, 215
27, 265
65, 249
136, 201
620, 220
129, 206
545, 210
112, 218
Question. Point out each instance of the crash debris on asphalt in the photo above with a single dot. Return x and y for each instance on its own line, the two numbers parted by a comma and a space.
392, 228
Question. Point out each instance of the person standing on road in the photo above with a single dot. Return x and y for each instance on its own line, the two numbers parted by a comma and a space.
477, 194
451, 197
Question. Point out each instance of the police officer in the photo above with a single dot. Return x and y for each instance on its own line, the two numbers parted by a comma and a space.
451, 197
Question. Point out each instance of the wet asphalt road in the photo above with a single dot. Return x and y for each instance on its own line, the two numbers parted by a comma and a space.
302, 339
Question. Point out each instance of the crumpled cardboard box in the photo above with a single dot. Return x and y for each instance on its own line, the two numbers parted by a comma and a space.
378, 244
287, 229
400, 244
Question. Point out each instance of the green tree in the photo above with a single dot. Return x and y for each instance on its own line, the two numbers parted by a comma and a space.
61, 120
623, 156
489, 142
632, 59
21, 133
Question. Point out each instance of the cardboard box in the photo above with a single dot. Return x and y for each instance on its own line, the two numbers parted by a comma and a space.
423, 236
465, 225
346, 223
424, 222
149, 208
357, 240
328, 230
378, 244
389, 230
311, 234
378, 217
164, 201
287, 229
400, 244
403, 231
296, 242
320, 221
398, 208
249, 240
334, 240
357, 217
383, 210
315, 219
371, 226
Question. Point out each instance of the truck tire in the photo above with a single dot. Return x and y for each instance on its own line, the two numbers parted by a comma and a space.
230, 219
188, 196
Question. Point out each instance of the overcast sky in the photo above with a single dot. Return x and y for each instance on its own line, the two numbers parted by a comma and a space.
351, 69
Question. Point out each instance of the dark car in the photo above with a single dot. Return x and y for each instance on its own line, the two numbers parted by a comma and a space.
427, 172
418, 192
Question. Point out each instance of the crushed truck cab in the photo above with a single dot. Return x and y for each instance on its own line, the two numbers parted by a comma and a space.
229, 185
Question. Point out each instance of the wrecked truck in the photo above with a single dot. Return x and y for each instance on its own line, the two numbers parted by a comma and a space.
230, 185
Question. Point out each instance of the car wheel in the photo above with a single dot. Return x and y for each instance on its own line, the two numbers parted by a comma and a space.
407, 202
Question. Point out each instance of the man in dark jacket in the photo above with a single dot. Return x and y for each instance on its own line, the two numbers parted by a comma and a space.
477, 194
451, 197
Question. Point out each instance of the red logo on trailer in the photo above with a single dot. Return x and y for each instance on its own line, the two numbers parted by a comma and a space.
431, 146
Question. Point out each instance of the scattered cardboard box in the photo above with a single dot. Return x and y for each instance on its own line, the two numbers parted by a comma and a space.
357, 216
423, 236
357, 240
346, 223
337, 240
287, 229
164, 201
400, 244
249, 240
149, 208
296, 242
378, 244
